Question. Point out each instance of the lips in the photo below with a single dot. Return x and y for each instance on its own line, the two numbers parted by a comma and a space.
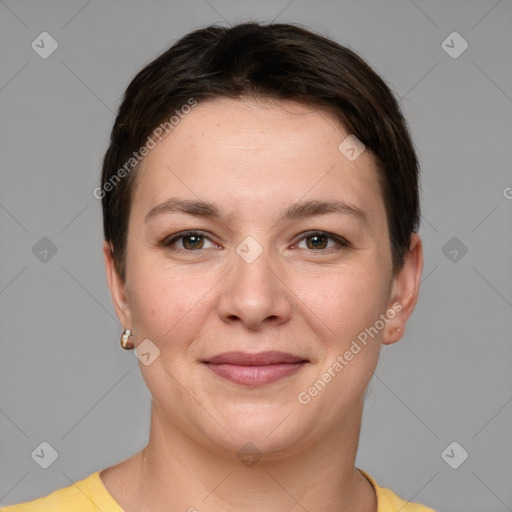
255, 369
259, 359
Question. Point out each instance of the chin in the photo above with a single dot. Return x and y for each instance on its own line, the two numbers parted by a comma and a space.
265, 431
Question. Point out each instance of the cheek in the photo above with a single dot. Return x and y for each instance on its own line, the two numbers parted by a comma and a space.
348, 303
165, 306
346, 300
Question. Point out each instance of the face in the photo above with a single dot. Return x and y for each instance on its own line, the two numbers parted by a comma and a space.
251, 232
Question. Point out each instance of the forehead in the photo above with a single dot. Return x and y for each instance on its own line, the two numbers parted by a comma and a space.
256, 155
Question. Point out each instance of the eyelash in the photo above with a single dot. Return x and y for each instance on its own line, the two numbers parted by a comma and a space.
340, 241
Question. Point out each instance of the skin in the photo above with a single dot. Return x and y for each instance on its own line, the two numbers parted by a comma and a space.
253, 159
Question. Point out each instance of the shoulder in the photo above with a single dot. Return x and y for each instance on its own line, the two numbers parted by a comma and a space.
87, 495
388, 501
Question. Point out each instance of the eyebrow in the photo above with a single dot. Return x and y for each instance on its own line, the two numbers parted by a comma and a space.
299, 210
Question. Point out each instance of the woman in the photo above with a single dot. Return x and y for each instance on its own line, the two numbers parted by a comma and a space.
260, 202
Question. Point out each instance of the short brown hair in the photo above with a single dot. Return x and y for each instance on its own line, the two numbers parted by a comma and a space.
278, 61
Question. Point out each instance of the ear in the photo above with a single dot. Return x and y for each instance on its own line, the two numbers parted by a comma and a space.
404, 291
117, 288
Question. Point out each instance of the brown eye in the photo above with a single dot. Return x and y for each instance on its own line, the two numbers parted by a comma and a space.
193, 242
321, 241
188, 241
317, 241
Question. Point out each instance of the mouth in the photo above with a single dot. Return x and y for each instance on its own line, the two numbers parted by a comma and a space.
255, 369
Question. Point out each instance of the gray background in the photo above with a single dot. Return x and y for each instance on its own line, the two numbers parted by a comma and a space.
64, 378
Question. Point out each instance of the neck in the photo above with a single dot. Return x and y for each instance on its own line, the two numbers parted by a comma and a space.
178, 473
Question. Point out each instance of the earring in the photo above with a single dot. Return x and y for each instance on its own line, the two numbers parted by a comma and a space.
125, 343
398, 330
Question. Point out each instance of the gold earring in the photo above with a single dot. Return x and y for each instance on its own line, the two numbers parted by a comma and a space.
125, 343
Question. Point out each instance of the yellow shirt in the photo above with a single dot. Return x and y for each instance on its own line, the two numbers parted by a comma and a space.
90, 495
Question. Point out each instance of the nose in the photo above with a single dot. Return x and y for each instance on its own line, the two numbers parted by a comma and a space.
255, 294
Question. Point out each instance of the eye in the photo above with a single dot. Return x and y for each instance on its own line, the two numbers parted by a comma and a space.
320, 241
188, 241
